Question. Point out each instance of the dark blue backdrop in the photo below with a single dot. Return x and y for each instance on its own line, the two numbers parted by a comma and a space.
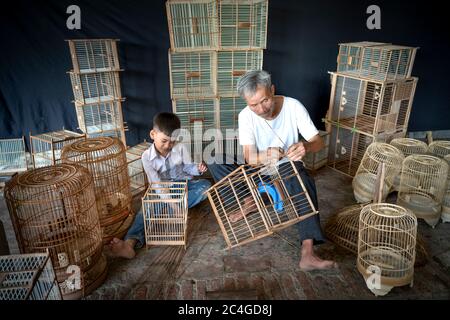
35, 91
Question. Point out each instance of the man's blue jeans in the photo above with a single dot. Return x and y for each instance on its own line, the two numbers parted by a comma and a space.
196, 194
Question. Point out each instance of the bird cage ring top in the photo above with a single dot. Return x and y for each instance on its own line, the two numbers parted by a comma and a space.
410, 146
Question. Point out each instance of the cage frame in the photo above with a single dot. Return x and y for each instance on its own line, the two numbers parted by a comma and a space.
138, 180
342, 66
19, 166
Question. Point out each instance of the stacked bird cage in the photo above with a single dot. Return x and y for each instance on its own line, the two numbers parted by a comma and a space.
364, 182
386, 246
165, 209
138, 178
372, 94
439, 148
53, 208
213, 43
254, 202
317, 160
96, 87
12, 156
446, 201
422, 186
106, 160
28, 277
46, 147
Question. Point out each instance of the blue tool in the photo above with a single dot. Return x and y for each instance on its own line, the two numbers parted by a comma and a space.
273, 193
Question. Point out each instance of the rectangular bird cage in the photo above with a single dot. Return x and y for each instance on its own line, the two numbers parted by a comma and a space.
317, 160
377, 61
201, 149
97, 87
254, 202
196, 115
28, 277
193, 24
228, 110
138, 178
193, 74
371, 107
12, 156
165, 209
231, 65
46, 147
243, 24
94, 55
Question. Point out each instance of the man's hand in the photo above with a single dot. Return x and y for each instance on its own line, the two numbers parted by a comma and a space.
296, 151
274, 154
202, 168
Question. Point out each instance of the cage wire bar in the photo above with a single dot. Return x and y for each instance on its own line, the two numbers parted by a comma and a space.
165, 213
138, 178
53, 208
46, 147
13, 156
28, 277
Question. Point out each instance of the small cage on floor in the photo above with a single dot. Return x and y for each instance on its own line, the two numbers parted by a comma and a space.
439, 148
165, 209
316, 160
386, 246
106, 160
46, 147
243, 24
233, 64
138, 178
193, 24
422, 186
28, 277
98, 87
446, 201
94, 55
12, 156
53, 208
349, 58
253, 202
192, 74
364, 182
371, 107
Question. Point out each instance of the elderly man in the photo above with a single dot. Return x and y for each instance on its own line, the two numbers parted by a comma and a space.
269, 130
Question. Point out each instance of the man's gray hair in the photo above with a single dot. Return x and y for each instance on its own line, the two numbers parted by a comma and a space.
249, 82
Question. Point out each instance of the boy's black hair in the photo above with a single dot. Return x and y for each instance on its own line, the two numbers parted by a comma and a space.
166, 122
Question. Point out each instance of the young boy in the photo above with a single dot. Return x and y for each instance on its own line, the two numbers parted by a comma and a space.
163, 160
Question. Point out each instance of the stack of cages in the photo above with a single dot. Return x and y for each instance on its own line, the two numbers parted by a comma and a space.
96, 87
371, 98
138, 178
13, 156
213, 43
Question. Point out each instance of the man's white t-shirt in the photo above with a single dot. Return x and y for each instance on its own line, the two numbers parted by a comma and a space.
292, 120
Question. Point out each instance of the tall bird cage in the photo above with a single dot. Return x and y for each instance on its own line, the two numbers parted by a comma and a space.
439, 148
54, 208
28, 277
105, 159
46, 147
422, 186
165, 209
364, 182
386, 246
446, 202
13, 157
253, 202
138, 178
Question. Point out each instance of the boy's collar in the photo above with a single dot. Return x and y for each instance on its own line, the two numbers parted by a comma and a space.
155, 153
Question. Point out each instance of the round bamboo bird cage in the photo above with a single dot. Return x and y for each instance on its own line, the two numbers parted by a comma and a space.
105, 159
446, 201
386, 246
408, 146
422, 186
54, 208
366, 176
439, 148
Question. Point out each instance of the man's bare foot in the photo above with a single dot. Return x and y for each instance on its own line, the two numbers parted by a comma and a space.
121, 248
248, 207
312, 262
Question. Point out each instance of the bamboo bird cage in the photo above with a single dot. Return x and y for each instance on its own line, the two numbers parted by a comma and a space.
228, 112
46, 147
106, 160
54, 208
316, 160
364, 182
196, 113
165, 209
386, 246
253, 202
28, 277
439, 148
138, 178
13, 157
349, 58
422, 186
446, 201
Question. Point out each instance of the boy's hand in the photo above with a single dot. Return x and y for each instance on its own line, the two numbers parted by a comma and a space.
202, 167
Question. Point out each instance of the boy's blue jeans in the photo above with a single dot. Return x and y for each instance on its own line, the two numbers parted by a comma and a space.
196, 194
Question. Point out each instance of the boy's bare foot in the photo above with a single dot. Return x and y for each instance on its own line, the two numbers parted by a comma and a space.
248, 207
312, 262
121, 248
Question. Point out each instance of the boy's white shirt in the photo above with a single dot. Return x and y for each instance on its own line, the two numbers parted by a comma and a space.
293, 119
